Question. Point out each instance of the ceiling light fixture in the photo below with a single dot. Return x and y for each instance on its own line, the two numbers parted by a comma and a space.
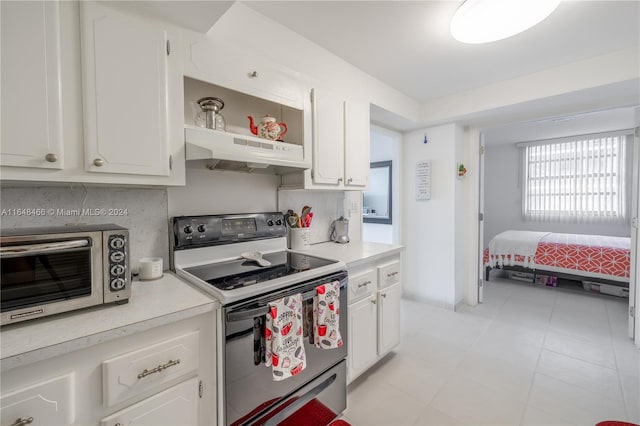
483, 21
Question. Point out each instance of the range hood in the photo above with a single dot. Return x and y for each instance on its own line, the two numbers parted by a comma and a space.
233, 151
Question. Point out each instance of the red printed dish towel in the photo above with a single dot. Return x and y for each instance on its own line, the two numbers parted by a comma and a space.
284, 351
326, 316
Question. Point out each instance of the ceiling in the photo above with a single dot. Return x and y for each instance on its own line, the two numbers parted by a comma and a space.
407, 44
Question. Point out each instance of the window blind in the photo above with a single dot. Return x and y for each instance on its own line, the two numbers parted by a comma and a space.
578, 180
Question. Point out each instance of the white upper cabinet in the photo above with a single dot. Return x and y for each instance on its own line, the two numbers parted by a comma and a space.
340, 136
357, 144
328, 138
212, 61
31, 112
127, 76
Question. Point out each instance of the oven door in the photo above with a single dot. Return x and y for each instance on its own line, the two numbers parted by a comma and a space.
49, 274
252, 397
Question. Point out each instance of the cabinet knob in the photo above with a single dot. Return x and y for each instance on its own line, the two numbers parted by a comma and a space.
98, 162
349, 180
51, 158
373, 301
253, 74
383, 295
22, 422
340, 180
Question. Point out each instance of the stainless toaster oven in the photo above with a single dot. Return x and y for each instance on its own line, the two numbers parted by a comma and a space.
46, 271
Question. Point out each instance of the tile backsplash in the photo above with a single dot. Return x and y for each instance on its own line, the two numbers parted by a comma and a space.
326, 207
142, 210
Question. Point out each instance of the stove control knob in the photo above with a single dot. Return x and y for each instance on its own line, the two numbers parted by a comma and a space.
270, 222
279, 222
188, 229
202, 228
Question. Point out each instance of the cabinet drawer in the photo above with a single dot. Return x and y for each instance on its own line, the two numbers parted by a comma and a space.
49, 403
388, 274
177, 406
129, 374
361, 285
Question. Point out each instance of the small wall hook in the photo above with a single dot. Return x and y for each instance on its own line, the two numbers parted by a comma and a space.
425, 139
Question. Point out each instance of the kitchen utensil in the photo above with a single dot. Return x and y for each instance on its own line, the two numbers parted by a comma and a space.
256, 256
340, 230
305, 211
210, 116
306, 221
268, 128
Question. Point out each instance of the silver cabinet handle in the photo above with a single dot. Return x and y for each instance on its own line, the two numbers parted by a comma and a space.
98, 162
349, 180
51, 158
253, 74
158, 369
384, 295
392, 274
373, 301
364, 284
340, 180
22, 422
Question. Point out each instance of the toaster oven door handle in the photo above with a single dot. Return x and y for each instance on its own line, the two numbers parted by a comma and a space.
42, 248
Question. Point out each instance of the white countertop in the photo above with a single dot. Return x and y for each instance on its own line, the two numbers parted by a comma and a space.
354, 253
152, 303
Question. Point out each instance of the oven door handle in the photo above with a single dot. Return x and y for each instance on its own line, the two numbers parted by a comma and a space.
43, 248
262, 310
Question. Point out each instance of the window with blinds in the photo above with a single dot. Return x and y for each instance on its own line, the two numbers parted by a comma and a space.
579, 179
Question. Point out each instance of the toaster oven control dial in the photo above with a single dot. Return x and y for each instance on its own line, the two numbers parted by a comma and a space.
117, 270
117, 242
117, 284
116, 256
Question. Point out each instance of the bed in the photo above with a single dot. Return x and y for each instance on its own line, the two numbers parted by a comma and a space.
590, 258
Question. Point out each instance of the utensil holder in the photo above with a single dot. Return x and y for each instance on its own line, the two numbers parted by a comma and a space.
300, 238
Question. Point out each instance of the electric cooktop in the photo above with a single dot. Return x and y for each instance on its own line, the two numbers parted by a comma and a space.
237, 273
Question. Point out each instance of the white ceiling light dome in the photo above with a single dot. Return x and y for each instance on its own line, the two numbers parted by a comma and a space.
483, 21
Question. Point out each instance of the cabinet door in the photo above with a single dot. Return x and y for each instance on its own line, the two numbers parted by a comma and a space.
125, 71
328, 138
31, 115
357, 144
362, 336
177, 406
388, 318
49, 403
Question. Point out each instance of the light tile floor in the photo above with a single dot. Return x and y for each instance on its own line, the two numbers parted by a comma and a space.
529, 355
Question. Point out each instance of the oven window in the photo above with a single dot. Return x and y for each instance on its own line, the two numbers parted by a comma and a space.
32, 280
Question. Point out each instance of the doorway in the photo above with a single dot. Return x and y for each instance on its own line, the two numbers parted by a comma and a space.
501, 191
381, 215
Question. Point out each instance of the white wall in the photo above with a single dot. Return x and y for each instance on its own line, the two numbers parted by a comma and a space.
503, 200
429, 231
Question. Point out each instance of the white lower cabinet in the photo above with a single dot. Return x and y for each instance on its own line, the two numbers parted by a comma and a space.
374, 313
389, 318
177, 406
162, 376
362, 349
48, 403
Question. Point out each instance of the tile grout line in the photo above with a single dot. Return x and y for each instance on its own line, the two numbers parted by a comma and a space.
542, 347
615, 360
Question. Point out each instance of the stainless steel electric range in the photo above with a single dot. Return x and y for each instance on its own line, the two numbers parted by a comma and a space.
208, 252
